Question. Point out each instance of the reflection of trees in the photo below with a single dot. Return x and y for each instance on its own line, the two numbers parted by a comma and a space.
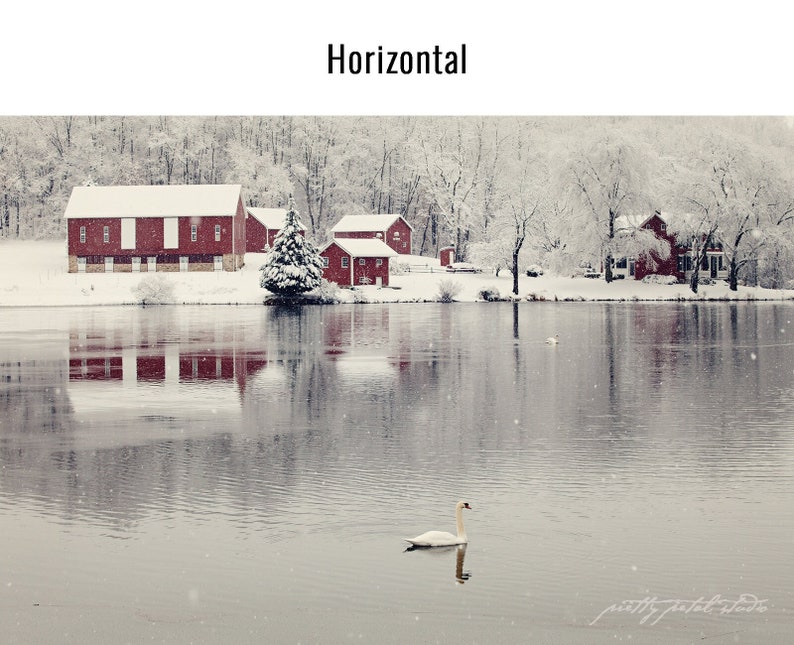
446, 389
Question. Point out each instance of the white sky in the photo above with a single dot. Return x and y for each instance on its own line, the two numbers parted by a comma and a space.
551, 58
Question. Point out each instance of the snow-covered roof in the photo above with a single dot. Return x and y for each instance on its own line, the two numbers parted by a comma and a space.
271, 218
634, 221
195, 200
363, 248
364, 223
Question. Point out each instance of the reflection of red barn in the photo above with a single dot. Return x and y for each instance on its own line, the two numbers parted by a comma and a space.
349, 262
262, 225
390, 229
155, 228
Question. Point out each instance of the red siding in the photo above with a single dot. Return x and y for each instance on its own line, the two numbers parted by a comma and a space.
660, 266
94, 236
258, 235
239, 229
402, 242
334, 272
149, 235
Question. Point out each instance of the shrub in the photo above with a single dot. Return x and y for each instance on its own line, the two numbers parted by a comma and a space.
489, 294
154, 289
654, 278
359, 297
328, 293
447, 290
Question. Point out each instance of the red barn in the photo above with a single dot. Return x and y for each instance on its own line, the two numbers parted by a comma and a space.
155, 228
390, 229
657, 265
262, 225
350, 262
679, 262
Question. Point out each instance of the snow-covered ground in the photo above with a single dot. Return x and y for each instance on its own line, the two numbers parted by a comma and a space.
34, 273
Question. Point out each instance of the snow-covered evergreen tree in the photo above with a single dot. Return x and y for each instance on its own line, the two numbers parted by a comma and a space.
293, 266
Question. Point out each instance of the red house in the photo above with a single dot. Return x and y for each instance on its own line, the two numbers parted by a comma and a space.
678, 264
262, 225
155, 228
390, 229
350, 262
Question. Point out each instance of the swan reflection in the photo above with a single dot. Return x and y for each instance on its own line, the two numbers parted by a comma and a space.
461, 576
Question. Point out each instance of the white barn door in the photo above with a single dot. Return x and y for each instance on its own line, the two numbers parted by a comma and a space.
170, 232
128, 233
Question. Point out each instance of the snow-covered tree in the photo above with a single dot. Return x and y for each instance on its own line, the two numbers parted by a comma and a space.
293, 266
611, 177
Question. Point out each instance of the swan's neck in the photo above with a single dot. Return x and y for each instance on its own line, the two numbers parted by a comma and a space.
459, 522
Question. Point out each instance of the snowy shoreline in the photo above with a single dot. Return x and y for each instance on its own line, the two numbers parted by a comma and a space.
35, 275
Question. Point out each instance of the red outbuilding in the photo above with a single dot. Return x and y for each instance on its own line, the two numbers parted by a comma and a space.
155, 228
349, 262
393, 230
262, 225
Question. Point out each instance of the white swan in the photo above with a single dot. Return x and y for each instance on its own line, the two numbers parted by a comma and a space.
553, 340
442, 538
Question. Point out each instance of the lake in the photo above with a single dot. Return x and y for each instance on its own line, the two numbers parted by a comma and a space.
247, 474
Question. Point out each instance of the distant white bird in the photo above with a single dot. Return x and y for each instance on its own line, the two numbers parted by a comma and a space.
442, 538
553, 340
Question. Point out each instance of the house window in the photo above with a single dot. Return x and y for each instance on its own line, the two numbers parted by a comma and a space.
362, 261
396, 235
217, 232
325, 262
82, 234
405, 245
81, 265
345, 262
379, 262
106, 234
193, 232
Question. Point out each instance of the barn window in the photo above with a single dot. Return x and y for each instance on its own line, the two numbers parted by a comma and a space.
345, 262
325, 262
396, 235
405, 245
106, 234
362, 261
217, 232
193, 232
82, 234
379, 262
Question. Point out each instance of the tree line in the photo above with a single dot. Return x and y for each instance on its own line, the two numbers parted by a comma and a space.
504, 191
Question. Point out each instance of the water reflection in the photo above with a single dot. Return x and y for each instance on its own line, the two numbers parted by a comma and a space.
152, 403
461, 575
228, 442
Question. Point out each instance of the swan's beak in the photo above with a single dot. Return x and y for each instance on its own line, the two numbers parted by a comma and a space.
466, 505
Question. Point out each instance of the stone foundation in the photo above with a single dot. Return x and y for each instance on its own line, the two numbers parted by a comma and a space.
231, 262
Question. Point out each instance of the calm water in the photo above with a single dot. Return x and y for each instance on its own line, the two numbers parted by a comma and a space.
245, 475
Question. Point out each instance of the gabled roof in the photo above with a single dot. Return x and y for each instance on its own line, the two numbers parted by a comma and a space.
358, 248
364, 223
271, 218
635, 221
194, 200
